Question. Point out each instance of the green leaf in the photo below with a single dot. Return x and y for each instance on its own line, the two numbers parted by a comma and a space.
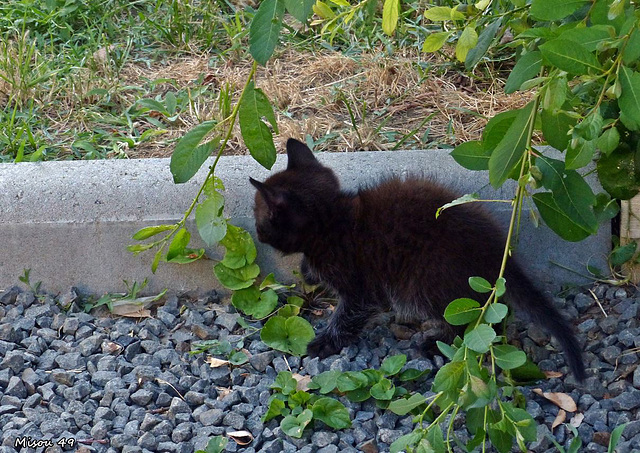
285, 383
332, 412
295, 300
255, 133
555, 93
238, 358
480, 338
589, 37
265, 30
212, 226
443, 13
500, 287
462, 311
352, 380
590, 127
529, 372
631, 52
554, 9
484, 41
605, 208
609, 140
472, 155
496, 129
288, 310
189, 154
511, 148
447, 351
500, 439
618, 172
326, 381
294, 425
411, 374
435, 41
615, 437
495, 312
300, 9
240, 248
299, 398
236, 279
383, 390
556, 219
147, 232
629, 101
569, 56
178, 244
187, 256
571, 193
466, 198
508, 357
216, 444
480, 285
287, 334
390, 11
555, 127
405, 405
467, 41
358, 395
579, 155
156, 260
527, 67
623, 253
448, 380
252, 302
392, 365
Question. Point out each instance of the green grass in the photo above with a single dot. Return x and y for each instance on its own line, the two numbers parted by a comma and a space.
101, 79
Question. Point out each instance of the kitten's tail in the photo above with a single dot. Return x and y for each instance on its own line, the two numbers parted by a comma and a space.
531, 302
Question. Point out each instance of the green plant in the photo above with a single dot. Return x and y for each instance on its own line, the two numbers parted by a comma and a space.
582, 60
216, 444
26, 279
128, 304
299, 407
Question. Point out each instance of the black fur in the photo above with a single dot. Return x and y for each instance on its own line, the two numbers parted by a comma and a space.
382, 247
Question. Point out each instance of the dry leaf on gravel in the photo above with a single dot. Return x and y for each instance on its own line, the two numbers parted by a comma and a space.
560, 418
303, 381
241, 437
216, 363
562, 400
576, 420
552, 374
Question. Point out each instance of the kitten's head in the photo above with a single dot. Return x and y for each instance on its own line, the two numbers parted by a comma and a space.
289, 204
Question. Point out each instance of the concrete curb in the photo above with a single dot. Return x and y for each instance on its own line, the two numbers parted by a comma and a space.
69, 222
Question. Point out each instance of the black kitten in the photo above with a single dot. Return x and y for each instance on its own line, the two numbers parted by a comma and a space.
383, 248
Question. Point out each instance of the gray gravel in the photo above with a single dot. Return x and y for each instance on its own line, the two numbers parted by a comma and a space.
112, 384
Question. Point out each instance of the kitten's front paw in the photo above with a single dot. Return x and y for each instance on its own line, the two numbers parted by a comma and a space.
322, 346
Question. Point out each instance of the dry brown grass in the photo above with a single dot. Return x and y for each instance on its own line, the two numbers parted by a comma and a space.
311, 94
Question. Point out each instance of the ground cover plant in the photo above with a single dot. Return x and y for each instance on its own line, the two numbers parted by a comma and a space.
580, 59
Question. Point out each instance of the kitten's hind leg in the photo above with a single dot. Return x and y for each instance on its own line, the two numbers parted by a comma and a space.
343, 328
308, 275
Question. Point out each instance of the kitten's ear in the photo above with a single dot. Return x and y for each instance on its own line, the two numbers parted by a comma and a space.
299, 154
274, 198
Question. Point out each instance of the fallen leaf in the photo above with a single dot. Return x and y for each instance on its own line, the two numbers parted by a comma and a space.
303, 381
110, 347
241, 437
562, 400
576, 420
222, 392
560, 418
216, 363
131, 310
552, 374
